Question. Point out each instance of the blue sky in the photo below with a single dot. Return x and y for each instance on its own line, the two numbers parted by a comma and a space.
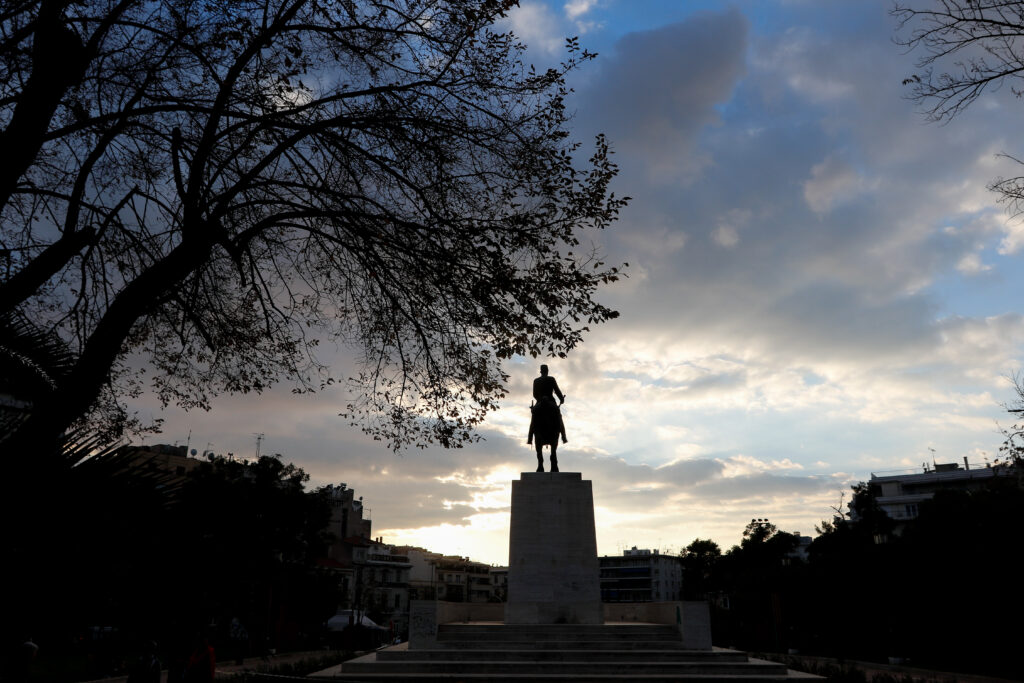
820, 287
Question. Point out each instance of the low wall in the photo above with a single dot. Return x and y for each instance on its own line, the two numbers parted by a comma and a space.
650, 612
691, 618
425, 615
450, 612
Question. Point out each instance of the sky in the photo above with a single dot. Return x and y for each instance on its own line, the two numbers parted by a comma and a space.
820, 287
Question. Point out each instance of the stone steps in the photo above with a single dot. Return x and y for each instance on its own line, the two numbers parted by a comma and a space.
592, 645
543, 677
548, 677
553, 678
460, 634
619, 653
544, 629
577, 668
535, 655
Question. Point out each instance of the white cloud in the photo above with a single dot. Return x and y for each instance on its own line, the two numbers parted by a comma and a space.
832, 182
1014, 239
970, 264
744, 465
537, 26
726, 232
574, 9
795, 55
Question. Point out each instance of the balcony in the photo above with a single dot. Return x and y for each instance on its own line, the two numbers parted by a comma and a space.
375, 558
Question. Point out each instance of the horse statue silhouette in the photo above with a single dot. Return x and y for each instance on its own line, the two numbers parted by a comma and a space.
546, 420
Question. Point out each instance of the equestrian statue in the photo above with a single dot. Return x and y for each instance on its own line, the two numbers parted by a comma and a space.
546, 421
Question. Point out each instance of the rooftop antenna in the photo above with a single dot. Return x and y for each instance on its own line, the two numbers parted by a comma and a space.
188, 441
259, 440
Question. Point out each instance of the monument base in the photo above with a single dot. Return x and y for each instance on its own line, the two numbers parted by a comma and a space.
553, 571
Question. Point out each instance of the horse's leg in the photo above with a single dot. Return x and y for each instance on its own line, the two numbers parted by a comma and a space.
540, 456
554, 455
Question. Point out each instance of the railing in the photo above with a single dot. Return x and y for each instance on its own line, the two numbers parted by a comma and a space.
899, 471
399, 559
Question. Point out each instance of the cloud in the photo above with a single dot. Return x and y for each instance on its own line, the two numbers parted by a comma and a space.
970, 264
745, 466
815, 234
831, 182
1014, 239
574, 9
537, 26
796, 55
659, 89
800, 245
726, 233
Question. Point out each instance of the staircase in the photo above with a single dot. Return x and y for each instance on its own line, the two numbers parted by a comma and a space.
499, 653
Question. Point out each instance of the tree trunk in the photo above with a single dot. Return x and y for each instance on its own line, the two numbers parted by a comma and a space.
58, 62
73, 398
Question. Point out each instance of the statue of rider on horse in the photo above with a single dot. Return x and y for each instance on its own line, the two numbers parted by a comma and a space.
546, 422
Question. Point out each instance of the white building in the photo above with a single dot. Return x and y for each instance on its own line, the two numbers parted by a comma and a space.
386, 582
641, 576
899, 494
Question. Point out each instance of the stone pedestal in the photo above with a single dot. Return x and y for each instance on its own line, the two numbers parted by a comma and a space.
553, 572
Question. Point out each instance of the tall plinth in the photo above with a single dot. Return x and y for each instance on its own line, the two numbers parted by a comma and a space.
553, 572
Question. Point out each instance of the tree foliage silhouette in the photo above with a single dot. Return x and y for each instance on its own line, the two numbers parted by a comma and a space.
699, 560
217, 187
873, 588
160, 554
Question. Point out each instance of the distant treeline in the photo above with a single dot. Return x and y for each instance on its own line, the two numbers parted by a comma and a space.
941, 591
106, 556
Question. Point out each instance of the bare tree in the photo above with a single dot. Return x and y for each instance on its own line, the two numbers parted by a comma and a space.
1011, 452
965, 47
217, 186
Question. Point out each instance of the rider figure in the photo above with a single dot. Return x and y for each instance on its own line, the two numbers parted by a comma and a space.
545, 388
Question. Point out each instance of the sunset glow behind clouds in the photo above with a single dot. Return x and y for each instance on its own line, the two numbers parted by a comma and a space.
820, 286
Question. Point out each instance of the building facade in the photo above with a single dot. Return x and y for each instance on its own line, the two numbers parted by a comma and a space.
499, 584
350, 543
434, 576
385, 585
900, 494
641, 576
